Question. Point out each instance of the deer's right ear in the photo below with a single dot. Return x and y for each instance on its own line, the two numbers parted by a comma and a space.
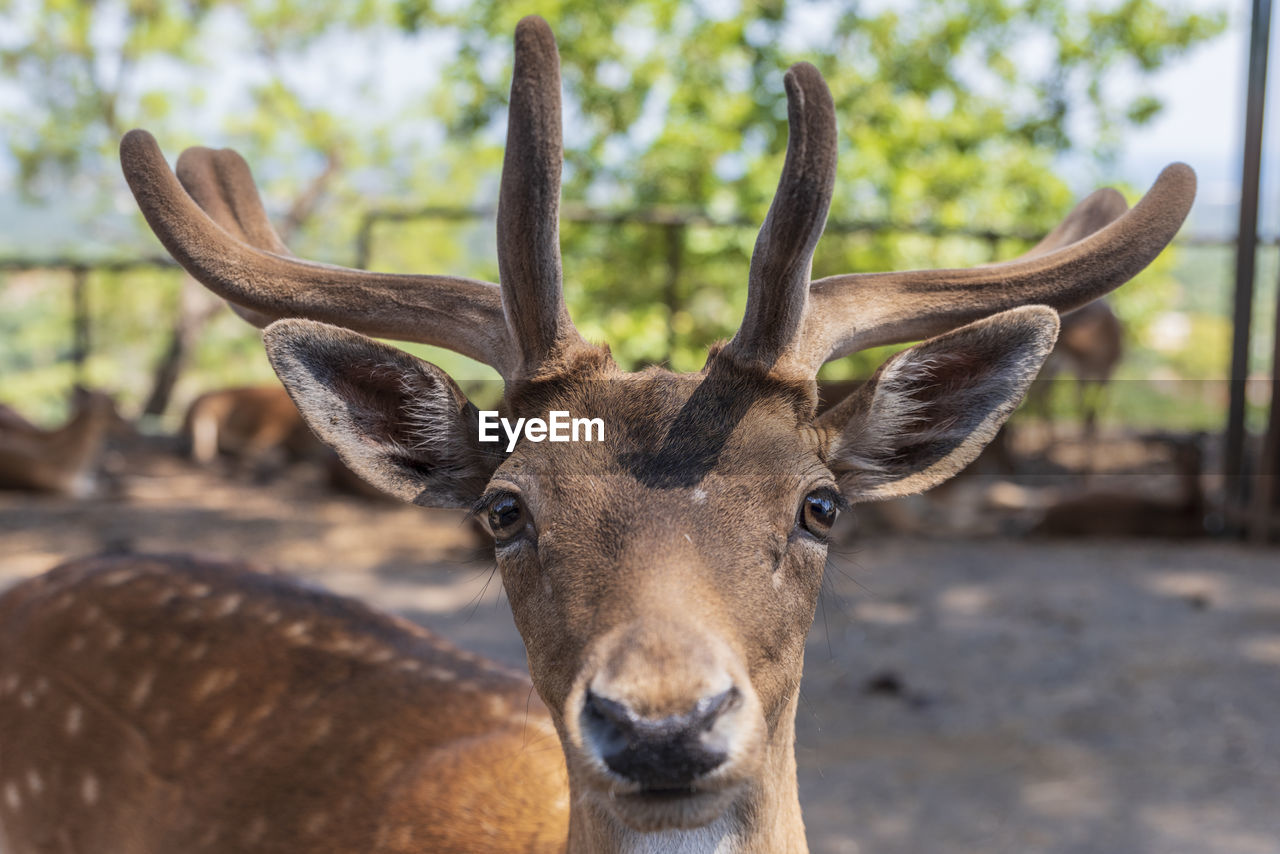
400, 423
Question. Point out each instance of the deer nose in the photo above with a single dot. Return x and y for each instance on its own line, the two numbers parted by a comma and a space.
658, 753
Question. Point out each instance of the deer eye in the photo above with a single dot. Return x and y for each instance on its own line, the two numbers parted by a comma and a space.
506, 516
818, 512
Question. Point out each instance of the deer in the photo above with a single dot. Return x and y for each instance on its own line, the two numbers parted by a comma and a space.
59, 461
247, 422
260, 429
663, 580
1090, 345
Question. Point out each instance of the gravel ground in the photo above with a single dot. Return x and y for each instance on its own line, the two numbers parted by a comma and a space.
990, 696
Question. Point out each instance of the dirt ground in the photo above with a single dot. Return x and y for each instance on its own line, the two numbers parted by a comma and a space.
961, 695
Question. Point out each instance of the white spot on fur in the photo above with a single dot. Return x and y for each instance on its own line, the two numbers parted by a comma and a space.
89, 789
75, 720
265, 708
213, 682
440, 674
228, 605
198, 590
28, 699
35, 783
222, 724
297, 631
120, 576
12, 796
316, 823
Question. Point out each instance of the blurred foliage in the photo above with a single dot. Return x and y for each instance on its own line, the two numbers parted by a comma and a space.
951, 114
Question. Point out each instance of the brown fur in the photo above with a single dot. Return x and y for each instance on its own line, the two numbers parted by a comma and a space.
330, 743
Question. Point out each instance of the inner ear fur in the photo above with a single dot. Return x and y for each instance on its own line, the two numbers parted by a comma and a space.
930, 410
398, 422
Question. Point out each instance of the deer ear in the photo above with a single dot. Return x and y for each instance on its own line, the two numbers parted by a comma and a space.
397, 421
930, 410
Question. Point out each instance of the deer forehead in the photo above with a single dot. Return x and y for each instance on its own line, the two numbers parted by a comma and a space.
696, 436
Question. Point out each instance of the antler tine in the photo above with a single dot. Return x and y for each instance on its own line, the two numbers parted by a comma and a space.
855, 311
237, 258
778, 284
529, 202
1095, 211
220, 182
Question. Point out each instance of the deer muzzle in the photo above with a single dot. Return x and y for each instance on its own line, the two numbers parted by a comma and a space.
666, 726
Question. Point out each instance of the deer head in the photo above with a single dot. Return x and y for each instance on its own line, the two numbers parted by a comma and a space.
664, 578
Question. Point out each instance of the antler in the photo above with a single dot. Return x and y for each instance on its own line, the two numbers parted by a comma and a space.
793, 326
227, 256
216, 228
778, 284
529, 201
856, 311
211, 219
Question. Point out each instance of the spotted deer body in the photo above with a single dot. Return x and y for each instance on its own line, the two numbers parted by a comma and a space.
663, 579
177, 704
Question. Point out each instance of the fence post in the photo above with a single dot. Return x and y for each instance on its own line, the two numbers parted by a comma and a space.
79, 323
1234, 463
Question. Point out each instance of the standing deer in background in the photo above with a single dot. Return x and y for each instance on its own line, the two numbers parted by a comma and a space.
1090, 344
663, 579
61, 460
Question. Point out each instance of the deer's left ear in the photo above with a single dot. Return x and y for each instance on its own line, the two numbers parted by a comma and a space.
930, 410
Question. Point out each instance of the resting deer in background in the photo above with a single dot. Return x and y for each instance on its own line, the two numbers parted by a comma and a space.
248, 423
61, 460
262, 431
663, 580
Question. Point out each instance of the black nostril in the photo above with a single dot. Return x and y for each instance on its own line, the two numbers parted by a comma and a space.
658, 753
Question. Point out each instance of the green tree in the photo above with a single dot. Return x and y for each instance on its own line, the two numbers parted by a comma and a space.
951, 114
